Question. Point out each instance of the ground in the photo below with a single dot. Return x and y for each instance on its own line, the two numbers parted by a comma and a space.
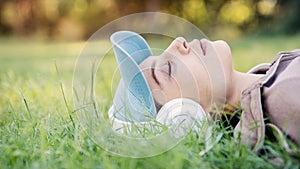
39, 127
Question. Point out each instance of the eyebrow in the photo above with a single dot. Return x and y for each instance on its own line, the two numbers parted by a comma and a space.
153, 73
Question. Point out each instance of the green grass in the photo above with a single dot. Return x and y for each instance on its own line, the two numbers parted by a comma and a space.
39, 127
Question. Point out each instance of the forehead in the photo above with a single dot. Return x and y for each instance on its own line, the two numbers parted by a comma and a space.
146, 64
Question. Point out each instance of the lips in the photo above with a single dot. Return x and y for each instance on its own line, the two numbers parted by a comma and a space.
203, 44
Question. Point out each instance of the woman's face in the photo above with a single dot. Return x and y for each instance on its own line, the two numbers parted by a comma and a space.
199, 70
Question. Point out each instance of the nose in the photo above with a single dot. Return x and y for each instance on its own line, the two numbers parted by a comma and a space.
179, 44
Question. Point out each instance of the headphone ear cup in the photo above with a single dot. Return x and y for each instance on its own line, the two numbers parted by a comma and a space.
181, 115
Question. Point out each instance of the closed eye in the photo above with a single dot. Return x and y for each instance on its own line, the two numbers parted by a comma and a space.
170, 68
153, 73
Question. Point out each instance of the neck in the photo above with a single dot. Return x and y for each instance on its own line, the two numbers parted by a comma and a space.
240, 82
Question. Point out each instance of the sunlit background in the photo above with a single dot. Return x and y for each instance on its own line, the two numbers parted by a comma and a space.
78, 19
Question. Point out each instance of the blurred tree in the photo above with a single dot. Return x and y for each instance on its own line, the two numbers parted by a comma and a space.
288, 16
4, 28
25, 16
133, 6
80, 18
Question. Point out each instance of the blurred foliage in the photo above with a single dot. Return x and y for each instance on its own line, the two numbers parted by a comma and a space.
78, 19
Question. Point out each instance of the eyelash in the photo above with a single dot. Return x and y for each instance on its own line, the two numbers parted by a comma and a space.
170, 68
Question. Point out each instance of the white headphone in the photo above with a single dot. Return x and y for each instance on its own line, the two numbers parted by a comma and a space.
180, 115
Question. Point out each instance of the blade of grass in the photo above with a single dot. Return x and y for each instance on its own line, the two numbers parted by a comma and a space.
26, 105
64, 96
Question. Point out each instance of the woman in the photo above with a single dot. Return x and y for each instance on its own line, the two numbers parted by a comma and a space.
202, 70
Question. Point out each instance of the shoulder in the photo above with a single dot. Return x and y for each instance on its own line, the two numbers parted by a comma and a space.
276, 93
280, 96
283, 93
285, 74
283, 83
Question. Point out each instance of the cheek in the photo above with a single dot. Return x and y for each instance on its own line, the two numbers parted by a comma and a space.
170, 91
167, 90
194, 82
163, 78
204, 86
199, 81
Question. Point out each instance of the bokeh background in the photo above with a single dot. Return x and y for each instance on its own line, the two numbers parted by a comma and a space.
78, 19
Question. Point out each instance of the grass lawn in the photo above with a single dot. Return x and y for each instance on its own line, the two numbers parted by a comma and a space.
39, 129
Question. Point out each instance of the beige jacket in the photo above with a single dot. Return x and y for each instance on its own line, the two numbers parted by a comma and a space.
274, 101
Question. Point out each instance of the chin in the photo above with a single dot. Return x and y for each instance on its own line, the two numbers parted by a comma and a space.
223, 49
224, 52
222, 45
